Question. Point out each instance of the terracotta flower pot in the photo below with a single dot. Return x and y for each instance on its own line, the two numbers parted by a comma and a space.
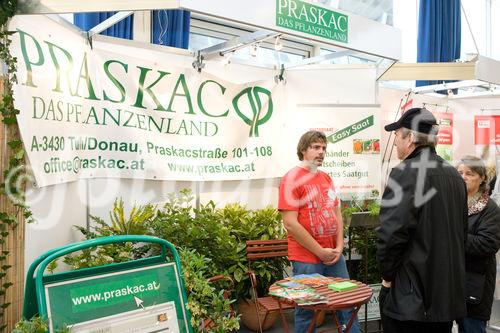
249, 318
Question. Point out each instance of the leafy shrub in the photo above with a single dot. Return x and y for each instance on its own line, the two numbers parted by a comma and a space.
261, 224
137, 223
205, 301
212, 241
220, 234
200, 229
34, 325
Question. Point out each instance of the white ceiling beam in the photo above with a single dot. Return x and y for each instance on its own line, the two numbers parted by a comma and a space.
430, 71
142, 26
382, 70
450, 85
109, 22
67, 25
470, 94
320, 58
487, 69
236, 43
481, 68
77, 6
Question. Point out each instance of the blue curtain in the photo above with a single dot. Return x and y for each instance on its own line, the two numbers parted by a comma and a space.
439, 33
122, 29
171, 28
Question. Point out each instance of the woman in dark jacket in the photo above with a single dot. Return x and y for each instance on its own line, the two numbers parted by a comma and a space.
483, 241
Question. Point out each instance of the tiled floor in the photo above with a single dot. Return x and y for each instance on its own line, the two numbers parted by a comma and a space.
495, 317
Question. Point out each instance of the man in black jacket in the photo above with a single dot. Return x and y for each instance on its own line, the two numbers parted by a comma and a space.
421, 240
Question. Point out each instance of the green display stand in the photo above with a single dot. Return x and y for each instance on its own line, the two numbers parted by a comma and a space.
144, 295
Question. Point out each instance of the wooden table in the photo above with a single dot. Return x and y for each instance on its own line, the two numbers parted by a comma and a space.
335, 301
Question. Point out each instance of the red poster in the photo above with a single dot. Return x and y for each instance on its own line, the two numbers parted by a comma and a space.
445, 122
486, 130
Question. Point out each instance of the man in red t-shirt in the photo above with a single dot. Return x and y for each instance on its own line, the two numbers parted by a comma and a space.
312, 218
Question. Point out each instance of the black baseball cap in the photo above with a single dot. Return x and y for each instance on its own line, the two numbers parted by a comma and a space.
417, 119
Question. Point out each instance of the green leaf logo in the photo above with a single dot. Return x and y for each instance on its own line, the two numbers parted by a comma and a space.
257, 113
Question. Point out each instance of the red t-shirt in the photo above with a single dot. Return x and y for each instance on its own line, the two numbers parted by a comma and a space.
313, 196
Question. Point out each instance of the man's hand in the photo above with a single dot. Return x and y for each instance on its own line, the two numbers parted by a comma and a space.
326, 254
386, 284
304, 238
336, 256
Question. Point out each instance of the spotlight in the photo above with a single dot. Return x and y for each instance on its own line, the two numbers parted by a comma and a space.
226, 58
254, 49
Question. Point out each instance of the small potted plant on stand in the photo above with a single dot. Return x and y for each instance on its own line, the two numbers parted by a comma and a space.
361, 219
245, 225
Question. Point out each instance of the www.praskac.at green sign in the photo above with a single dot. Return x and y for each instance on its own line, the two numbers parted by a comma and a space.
145, 300
315, 20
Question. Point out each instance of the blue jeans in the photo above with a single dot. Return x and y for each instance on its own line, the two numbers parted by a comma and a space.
303, 317
471, 325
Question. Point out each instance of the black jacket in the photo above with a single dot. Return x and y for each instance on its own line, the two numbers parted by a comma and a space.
421, 239
483, 242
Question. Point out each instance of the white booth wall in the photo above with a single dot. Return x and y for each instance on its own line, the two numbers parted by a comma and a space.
463, 109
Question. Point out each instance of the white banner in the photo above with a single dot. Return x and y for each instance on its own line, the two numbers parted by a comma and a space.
353, 152
90, 113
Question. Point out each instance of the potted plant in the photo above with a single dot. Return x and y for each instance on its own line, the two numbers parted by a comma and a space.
245, 225
35, 325
211, 308
361, 219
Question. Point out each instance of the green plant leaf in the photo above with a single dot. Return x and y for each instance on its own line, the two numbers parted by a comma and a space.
15, 144
9, 120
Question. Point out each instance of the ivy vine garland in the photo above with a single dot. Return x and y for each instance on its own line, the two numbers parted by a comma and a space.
7, 10
14, 176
